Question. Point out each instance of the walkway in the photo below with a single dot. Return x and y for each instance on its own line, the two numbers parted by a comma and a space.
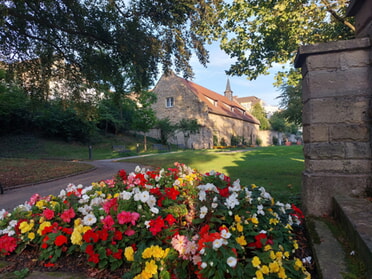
104, 169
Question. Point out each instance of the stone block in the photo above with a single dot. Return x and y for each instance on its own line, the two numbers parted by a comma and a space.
318, 190
316, 133
330, 83
323, 151
349, 132
361, 166
336, 110
357, 150
339, 61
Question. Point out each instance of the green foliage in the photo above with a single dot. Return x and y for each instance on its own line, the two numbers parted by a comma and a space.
260, 33
259, 112
167, 129
118, 44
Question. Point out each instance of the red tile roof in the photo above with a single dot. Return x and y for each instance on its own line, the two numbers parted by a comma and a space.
219, 104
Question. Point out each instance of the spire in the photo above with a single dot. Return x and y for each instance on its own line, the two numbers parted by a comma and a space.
228, 92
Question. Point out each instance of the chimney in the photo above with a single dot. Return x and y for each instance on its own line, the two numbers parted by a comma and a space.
228, 92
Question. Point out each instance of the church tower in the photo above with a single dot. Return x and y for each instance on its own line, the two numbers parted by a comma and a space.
228, 92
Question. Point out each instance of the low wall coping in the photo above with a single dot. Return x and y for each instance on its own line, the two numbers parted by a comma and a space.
323, 48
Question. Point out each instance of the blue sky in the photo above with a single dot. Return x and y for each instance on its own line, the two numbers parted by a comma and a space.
214, 78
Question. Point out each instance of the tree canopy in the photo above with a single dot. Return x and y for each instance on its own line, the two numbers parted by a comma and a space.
259, 33
119, 44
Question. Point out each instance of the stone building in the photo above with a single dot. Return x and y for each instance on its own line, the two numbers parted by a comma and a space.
220, 116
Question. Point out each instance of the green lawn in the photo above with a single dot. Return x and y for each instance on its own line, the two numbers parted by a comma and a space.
276, 168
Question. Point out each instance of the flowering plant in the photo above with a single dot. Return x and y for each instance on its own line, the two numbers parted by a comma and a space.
175, 223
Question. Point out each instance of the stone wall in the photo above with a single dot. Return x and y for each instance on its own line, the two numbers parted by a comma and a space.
337, 91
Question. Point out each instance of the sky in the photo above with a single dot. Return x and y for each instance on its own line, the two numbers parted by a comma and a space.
214, 78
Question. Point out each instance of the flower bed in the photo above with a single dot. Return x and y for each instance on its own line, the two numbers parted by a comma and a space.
174, 223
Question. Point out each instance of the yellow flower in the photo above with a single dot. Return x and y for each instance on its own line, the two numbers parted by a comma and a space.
274, 221
26, 227
77, 222
31, 235
116, 195
298, 264
241, 240
151, 267
256, 261
272, 255
254, 186
86, 228
157, 252
295, 245
267, 248
42, 226
259, 274
147, 253
265, 269
76, 237
274, 267
286, 254
279, 255
239, 227
129, 253
281, 273
40, 204
237, 219
254, 220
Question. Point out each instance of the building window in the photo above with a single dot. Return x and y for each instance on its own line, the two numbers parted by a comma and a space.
169, 102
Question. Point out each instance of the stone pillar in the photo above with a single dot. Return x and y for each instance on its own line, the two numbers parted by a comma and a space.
337, 92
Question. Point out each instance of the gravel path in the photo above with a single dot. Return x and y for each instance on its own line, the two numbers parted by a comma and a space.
104, 169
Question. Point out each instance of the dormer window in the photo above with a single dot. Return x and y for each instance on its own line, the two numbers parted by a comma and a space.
169, 102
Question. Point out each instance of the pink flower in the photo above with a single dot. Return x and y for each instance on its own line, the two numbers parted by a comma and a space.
110, 204
34, 199
108, 222
67, 215
7, 244
48, 214
129, 232
128, 217
179, 243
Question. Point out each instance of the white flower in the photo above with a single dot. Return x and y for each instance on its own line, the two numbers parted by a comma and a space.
147, 224
307, 260
137, 169
84, 198
232, 201
125, 195
202, 251
212, 172
151, 201
203, 211
236, 186
154, 210
85, 210
3, 214
202, 195
203, 265
231, 261
225, 234
144, 196
217, 243
214, 205
89, 219
260, 209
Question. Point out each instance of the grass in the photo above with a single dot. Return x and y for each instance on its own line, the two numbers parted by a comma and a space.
276, 168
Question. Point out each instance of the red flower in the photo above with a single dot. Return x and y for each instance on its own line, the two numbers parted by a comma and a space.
94, 258
49, 264
156, 225
108, 222
60, 240
110, 204
90, 235
122, 174
7, 244
170, 219
118, 255
48, 214
298, 212
171, 193
103, 234
261, 240
224, 192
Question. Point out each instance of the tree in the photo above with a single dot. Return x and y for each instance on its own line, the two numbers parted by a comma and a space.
291, 101
259, 112
188, 127
116, 43
259, 33
166, 128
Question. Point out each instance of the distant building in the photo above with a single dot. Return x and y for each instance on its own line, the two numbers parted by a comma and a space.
220, 116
